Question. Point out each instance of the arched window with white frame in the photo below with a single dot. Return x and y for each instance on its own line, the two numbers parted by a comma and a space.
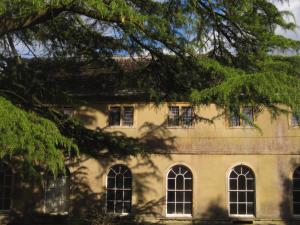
296, 191
119, 190
6, 179
179, 191
241, 191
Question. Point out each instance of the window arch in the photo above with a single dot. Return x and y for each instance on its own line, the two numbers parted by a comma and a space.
296, 191
119, 190
57, 193
179, 191
6, 179
241, 191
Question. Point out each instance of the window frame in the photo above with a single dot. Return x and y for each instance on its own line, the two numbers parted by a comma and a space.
122, 107
176, 215
292, 192
242, 123
293, 123
180, 116
11, 189
67, 193
106, 192
253, 215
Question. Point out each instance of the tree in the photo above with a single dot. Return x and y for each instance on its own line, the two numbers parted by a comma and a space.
203, 51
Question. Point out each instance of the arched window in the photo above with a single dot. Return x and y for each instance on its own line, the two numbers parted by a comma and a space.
57, 194
241, 191
5, 186
179, 191
119, 188
296, 191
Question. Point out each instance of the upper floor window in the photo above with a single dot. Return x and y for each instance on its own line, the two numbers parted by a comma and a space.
121, 116
56, 194
236, 120
296, 191
180, 116
241, 191
179, 191
119, 190
5, 186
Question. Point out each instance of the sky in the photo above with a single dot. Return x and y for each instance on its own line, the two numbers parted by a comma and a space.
294, 7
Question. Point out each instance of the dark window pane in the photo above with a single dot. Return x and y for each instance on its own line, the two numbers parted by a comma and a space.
176, 169
127, 195
110, 195
242, 182
1, 179
248, 112
128, 116
233, 175
171, 184
114, 116
296, 184
241, 196
188, 208
6, 204
119, 195
296, 207
179, 208
110, 182
250, 208
171, 174
250, 174
173, 119
179, 182
127, 182
119, 181
127, 207
238, 169
188, 184
233, 184
250, 184
233, 196
242, 208
111, 173
234, 120
250, 196
188, 174
188, 196
171, 196
296, 196
8, 180
179, 196
187, 116
233, 208
7, 192
171, 208
119, 206
297, 173
110, 206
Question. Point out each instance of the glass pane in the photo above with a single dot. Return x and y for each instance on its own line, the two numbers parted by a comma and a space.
171, 196
296, 184
233, 208
127, 173
119, 207
233, 196
176, 169
127, 183
188, 196
188, 208
6, 204
188, 174
173, 119
242, 208
8, 180
179, 208
234, 120
111, 173
233, 184
119, 195
187, 116
127, 207
242, 182
110, 182
119, 181
241, 196
296, 207
110, 195
114, 115
250, 196
250, 184
171, 208
250, 208
110, 206
233, 175
188, 184
171, 184
179, 182
297, 173
127, 195
296, 196
171, 174
179, 196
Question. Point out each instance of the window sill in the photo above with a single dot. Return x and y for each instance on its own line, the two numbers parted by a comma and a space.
242, 217
121, 127
179, 216
241, 127
57, 213
180, 127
